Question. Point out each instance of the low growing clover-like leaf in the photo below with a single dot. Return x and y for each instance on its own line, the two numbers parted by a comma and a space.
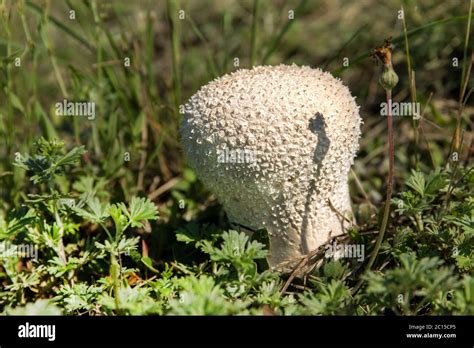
39, 166
331, 299
202, 296
464, 297
49, 160
466, 223
269, 292
436, 182
17, 220
236, 247
189, 234
193, 233
90, 184
72, 157
141, 209
78, 297
123, 246
49, 148
417, 182
134, 301
97, 212
120, 220
415, 283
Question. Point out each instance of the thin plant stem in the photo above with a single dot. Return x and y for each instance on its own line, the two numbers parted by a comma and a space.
100, 75
388, 198
172, 9
464, 77
253, 38
61, 252
413, 32
411, 80
49, 49
9, 83
276, 41
114, 273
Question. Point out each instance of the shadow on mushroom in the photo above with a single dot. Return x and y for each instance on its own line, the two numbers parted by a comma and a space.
317, 125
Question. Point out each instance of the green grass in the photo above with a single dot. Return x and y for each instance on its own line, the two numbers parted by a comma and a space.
108, 254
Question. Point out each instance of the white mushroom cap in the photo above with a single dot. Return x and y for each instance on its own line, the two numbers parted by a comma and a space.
302, 126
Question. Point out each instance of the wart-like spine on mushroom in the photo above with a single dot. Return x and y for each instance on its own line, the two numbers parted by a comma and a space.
275, 145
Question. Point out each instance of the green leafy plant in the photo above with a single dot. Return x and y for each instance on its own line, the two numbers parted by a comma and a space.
79, 230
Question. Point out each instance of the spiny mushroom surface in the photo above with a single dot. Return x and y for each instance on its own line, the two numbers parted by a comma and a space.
275, 145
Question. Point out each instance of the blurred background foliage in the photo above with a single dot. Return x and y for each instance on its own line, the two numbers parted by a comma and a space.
79, 50
173, 53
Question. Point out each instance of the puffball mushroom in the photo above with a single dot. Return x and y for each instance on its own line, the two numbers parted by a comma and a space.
275, 145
